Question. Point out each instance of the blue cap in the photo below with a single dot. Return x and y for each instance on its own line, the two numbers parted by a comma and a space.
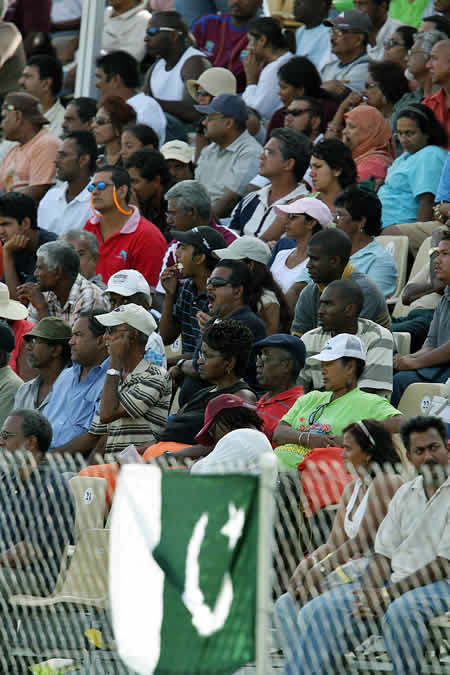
285, 341
229, 105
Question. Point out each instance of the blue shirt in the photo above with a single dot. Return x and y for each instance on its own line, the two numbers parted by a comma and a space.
314, 43
72, 404
409, 177
443, 191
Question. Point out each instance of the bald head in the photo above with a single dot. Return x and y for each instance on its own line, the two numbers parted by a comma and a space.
439, 63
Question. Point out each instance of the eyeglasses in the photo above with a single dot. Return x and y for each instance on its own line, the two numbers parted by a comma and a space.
296, 113
101, 185
413, 52
339, 32
9, 107
391, 43
154, 30
217, 282
293, 216
4, 435
405, 134
101, 121
202, 92
317, 413
371, 85
341, 216
214, 116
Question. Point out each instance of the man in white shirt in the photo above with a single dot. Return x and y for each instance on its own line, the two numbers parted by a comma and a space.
117, 74
42, 77
313, 37
384, 25
406, 582
68, 205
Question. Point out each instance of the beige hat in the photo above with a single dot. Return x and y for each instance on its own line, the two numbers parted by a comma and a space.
247, 246
179, 150
133, 315
215, 81
10, 309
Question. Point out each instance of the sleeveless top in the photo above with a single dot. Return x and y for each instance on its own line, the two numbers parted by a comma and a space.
168, 84
351, 527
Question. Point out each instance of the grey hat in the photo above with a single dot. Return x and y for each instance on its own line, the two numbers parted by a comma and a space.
351, 19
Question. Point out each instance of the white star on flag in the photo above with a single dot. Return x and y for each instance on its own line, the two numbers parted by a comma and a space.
233, 527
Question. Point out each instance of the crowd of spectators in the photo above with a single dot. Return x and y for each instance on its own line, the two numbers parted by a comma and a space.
190, 265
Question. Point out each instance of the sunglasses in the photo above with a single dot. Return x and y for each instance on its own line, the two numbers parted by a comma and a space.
4, 435
391, 43
296, 113
101, 185
101, 121
9, 107
154, 30
293, 216
217, 282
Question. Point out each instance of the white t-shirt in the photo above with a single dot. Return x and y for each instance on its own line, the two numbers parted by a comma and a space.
240, 451
57, 215
126, 31
283, 275
148, 111
264, 95
66, 10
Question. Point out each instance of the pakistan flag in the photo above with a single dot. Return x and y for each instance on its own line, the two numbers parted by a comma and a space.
183, 570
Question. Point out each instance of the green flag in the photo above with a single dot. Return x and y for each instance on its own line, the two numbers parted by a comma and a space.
183, 570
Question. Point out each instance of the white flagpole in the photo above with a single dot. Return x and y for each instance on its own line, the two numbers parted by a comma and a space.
264, 564
91, 35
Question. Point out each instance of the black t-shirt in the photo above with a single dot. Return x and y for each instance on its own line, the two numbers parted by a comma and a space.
25, 260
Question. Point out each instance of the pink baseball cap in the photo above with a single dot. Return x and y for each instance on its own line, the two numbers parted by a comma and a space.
311, 207
213, 408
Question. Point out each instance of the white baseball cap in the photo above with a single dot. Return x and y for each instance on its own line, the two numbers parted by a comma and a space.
179, 150
11, 309
311, 207
128, 282
133, 315
246, 247
341, 345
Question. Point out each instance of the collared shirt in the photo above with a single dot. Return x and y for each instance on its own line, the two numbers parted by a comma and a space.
58, 215
377, 370
376, 52
145, 394
55, 116
355, 72
314, 43
231, 168
139, 245
32, 163
307, 308
39, 510
27, 395
254, 214
436, 102
73, 403
9, 384
84, 296
415, 530
185, 309
439, 331
271, 410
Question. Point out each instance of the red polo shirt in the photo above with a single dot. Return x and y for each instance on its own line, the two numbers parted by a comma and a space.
271, 410
436, 103
139, 245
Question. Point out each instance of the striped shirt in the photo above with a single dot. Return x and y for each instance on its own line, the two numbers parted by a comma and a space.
145, 394
378, 371
187, 304
84, 296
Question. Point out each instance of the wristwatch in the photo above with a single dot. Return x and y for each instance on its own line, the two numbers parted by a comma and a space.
180, 364
113, 371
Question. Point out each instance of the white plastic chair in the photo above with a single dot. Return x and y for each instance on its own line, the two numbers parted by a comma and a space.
398, 248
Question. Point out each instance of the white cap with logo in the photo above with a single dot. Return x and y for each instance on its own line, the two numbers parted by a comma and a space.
133, 315
128, 282
341, 345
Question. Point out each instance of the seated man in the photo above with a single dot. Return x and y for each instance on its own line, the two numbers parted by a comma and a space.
183, 301
429, 364
9, 381
189, 205
406, 582
42, 77
129, 286
279, 360
29, 166
48, 352
180, 159
136, 395
79, 115
37, 517
226, 166
86, 245
313, 37
340, 305
223, 37
21, 238
61, 290
76, 393
126, 239
284, 160
329, 253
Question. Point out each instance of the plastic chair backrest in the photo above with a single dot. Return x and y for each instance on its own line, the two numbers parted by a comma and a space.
422, 259
398, 248
416, 400
90, 502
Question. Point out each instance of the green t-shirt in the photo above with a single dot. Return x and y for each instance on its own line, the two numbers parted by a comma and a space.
335, 416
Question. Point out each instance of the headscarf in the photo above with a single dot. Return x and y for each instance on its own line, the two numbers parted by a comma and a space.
375, 134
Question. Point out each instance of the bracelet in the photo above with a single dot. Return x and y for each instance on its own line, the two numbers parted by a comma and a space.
300, 434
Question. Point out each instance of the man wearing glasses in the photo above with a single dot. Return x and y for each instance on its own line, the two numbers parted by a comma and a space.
304, 114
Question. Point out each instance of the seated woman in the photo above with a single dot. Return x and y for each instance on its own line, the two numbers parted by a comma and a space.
267, 50
112, 117
385, 85
396, 48
304, 217
137, 137
318, 419
412, 181
332, 169
265, 296
369, 453
358, 213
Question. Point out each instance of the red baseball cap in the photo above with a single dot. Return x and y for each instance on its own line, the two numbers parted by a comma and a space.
213, 408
